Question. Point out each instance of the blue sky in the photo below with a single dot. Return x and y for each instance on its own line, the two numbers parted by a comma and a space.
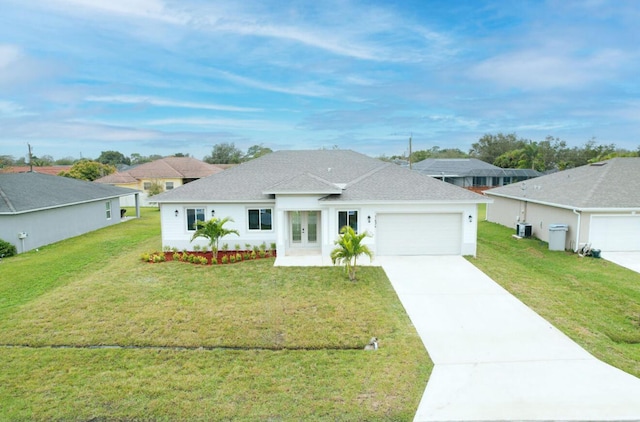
78, 77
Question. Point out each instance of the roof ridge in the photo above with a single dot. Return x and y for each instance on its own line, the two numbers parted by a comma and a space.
7, 200
369, 173
598, 181
318, 178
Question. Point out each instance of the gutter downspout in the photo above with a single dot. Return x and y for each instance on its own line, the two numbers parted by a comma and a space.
577, 246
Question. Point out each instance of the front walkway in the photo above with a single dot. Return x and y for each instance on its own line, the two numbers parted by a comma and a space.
496, 359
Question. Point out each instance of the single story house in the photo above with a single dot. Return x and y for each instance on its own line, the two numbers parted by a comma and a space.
163, 174
599, 202
39, 209
471, 173
299, 200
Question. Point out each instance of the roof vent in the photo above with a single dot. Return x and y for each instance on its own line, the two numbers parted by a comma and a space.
600, 164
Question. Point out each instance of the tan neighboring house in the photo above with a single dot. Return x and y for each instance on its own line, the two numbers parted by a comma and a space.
159, 176
598, 203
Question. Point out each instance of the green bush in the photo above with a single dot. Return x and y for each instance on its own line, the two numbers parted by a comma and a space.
224, 259
7, 249
232, 258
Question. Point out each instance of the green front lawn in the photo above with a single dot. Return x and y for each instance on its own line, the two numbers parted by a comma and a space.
593, 301
245, 341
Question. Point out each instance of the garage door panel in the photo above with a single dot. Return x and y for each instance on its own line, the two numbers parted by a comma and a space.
419, 234
615, 233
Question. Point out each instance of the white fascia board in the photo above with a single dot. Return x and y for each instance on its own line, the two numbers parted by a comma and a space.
567, 207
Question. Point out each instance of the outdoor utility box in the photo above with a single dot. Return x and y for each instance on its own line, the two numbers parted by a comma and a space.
557, 236
523, 229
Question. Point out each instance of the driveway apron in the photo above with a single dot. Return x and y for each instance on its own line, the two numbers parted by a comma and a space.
630, 260
495, 359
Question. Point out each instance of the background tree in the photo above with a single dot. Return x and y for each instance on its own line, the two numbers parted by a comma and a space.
88, 170
224, 153
6, 161
113, 158
490, 147
256, 151
65, 161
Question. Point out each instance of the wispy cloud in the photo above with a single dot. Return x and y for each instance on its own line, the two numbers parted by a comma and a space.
541, 69
163, 102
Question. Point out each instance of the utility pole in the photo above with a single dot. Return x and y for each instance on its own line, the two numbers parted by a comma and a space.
30, 159
410, 136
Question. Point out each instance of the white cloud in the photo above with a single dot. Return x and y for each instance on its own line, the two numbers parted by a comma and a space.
548, 67
309, 90
9, 54
161, 102
147, 9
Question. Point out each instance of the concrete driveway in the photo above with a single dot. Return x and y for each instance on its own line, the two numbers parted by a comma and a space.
496, 359
630, 260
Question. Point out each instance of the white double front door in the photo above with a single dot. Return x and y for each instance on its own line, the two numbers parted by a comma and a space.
304, 229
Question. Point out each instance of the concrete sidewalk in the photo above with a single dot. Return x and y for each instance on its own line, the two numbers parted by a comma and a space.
497, 360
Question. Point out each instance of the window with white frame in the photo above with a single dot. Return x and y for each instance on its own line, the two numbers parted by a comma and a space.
260, 219
194, 215
146, 185
168, 185
108, 209
348, 218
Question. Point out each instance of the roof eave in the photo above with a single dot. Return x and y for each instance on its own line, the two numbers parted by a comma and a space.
567, 206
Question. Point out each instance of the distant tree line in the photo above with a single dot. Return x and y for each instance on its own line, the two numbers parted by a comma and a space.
510, 151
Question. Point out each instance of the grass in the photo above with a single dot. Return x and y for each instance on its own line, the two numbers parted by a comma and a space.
244, 342
593, 301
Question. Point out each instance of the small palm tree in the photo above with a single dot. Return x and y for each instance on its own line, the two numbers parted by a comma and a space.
213, 230
349, 248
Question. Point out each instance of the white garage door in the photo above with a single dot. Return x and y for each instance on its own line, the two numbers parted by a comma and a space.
615, 233
419, 234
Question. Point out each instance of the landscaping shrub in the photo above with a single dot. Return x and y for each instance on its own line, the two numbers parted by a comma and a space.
7, 249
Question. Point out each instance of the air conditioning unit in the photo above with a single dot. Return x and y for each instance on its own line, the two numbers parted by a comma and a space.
523, 229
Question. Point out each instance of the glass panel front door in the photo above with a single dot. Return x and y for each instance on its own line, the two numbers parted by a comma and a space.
304, 228
296, 227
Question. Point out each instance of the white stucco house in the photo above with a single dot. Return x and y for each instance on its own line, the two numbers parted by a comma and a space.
39, 209
599, 202
299, 200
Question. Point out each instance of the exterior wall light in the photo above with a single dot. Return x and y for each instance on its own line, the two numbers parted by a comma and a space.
213, 213
369, 218
176, 213
470, 219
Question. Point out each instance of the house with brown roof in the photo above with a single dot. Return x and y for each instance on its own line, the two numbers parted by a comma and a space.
159, 176
597, 204
299, 200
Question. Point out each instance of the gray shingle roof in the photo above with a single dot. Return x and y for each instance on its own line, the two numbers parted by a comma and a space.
461, 167
608, 184
363, 178
22, 192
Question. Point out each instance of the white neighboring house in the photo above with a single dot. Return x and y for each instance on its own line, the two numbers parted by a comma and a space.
39, 209
299, 200
600, 204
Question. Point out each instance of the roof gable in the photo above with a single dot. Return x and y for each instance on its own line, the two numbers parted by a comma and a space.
608, 184
22, 192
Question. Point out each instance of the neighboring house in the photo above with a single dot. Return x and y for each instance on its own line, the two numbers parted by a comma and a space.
164, 174
471, 173
52, 170
299, 200
599, 202
39, 209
